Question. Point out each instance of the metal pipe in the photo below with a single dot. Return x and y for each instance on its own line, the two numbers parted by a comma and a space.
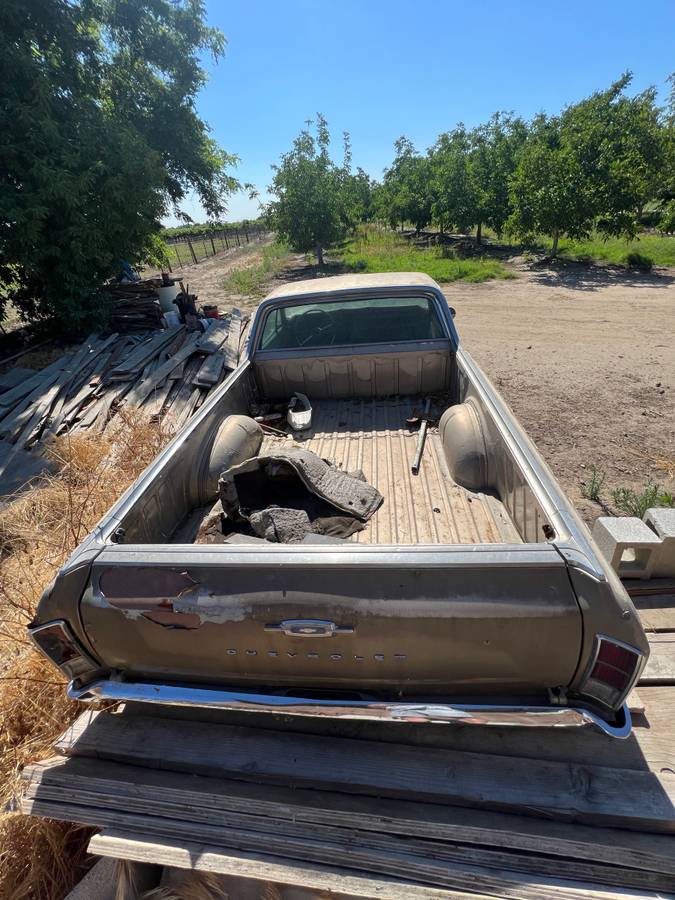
415, 468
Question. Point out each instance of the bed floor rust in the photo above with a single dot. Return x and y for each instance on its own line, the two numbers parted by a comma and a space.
371, 435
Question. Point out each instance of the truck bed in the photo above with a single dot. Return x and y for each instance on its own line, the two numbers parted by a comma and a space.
429, 508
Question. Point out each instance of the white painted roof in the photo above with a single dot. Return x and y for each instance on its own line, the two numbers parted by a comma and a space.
337, 283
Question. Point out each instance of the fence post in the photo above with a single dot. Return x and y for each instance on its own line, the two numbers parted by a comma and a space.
237, 237
212, 244
246, 233
180, 262
227, 246
222, 242
192, 251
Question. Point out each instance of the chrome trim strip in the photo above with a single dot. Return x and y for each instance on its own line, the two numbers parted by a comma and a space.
310, 628
374, 292
381, 711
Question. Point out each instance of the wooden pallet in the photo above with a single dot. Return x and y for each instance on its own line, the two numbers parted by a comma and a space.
366, 809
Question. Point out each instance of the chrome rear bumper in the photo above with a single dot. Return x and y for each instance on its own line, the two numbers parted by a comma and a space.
381, 711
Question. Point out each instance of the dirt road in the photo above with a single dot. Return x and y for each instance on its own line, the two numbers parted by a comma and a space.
586, 359
585, 356
208, 278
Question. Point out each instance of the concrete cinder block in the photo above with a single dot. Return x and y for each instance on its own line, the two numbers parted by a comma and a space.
100, 882
661, 520
628, 544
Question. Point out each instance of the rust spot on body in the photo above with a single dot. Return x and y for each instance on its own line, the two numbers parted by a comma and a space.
170, 619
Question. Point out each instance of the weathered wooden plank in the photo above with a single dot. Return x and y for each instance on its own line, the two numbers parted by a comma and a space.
92, 355
17, 418
155, 402
231, 345
656, 611
104, 783
144, 352
32, 386
183, 398
629, 798
177, 373
210, 370
15, 376
214, 336
660, 668
635, 703
638, 587
18, 466
398, 862
146, 386
192, 809
41, 411
324, 879
189, 408
82, 392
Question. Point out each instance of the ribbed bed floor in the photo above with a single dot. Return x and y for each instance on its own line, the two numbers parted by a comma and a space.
428, 508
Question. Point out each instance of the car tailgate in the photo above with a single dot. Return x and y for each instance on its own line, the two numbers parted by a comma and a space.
404, 620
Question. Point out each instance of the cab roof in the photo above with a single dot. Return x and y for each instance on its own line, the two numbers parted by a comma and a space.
339, 283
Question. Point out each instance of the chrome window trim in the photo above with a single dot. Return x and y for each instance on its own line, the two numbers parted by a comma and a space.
373, 293
380, 711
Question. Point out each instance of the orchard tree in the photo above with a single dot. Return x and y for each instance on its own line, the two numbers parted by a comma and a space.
455, 203
666, 193
314, 205
99, 139
593, 166
494, 151
548, 190
406, 194
357, 189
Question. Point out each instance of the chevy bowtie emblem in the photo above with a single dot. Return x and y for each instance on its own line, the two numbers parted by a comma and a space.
309, 628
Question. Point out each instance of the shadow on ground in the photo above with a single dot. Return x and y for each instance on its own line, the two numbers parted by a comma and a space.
583, 276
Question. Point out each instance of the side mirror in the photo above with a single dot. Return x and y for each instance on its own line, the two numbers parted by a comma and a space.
453, 311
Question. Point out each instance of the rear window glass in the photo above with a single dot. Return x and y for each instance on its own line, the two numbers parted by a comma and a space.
351, 322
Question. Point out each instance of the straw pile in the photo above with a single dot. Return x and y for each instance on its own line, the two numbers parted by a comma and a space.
38, 531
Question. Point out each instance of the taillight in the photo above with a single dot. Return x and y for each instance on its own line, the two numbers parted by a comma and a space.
613, 673
59, 644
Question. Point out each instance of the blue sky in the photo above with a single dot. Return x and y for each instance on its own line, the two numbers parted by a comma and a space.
382, 68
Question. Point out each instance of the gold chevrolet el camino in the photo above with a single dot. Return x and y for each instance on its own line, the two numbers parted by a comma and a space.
473, 595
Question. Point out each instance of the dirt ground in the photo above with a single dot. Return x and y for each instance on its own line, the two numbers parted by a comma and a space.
584, 355
208, 278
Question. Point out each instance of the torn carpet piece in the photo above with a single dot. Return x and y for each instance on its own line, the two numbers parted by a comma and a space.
291, 492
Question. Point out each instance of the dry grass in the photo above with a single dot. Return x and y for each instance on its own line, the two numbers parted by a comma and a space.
38, 531
663, 462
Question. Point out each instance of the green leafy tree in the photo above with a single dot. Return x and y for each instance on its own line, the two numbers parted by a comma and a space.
406, 192
548, 189
593, 166
666, 192
493, 155
99, 138
314, 203
455, 199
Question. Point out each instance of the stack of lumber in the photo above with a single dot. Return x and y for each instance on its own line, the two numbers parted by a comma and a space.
166, 373
134, 306
372, 809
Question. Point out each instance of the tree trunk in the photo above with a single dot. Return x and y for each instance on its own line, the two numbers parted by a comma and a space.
554, 248
319, 254
479, 233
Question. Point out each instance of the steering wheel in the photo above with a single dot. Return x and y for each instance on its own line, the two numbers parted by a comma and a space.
315, 326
